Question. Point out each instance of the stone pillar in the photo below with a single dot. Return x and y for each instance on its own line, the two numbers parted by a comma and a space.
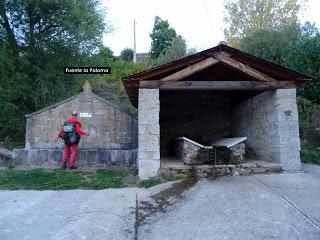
148, 133
288, 127
270, 122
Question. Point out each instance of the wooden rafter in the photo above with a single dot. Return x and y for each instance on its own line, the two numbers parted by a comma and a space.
217, 85
190, 70
243, 67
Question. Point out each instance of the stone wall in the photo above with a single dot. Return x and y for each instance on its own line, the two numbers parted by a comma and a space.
201, 116
109, 127
86, 159
112, 139
148, 133
270, 122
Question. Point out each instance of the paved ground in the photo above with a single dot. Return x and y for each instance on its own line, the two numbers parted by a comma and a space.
56, 215
277, 206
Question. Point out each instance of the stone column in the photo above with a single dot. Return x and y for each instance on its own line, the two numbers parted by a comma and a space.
288, 128
148, 133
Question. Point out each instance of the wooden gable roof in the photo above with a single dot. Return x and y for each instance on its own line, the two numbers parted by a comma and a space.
218, 68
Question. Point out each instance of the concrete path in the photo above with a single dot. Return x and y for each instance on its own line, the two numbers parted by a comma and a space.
78, 214
275, 206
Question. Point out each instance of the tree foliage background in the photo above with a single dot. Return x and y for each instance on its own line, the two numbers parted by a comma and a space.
270, 29
127, 54
37, 40
162, 36
246, 16
166, 44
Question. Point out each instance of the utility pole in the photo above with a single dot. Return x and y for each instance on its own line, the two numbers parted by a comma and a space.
134, 42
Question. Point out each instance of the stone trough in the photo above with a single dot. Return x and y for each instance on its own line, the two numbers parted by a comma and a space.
223, 151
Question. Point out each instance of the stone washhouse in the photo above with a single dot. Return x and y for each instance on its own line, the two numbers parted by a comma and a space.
215, 94
184, 107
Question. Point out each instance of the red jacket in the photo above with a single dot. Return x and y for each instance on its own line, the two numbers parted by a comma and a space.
77, 125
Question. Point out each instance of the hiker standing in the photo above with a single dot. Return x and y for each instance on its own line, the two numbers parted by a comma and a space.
71, 133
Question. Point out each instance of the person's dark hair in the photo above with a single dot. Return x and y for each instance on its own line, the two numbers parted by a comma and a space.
74, 114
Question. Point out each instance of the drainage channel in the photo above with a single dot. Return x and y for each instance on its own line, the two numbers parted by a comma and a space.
144, 210
136, 222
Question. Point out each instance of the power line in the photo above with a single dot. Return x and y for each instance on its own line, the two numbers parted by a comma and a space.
134, 42
208, 15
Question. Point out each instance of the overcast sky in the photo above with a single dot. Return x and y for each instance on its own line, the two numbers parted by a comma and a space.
200, 22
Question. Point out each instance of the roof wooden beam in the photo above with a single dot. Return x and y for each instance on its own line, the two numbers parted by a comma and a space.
243, 68
217, 85
191, 70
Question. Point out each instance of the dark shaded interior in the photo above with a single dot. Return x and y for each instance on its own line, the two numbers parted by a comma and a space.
203, 116
216, 72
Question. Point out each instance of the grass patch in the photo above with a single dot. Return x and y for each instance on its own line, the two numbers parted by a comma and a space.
310, 153
107, 179
162, 178
39, 179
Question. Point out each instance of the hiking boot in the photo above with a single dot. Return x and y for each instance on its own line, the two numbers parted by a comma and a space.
73, 167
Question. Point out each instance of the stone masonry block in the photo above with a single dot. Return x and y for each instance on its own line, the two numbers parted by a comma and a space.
149, 94
149, 155
148, 117
148, 168
285, 94
149, 142
150, 129
290, 160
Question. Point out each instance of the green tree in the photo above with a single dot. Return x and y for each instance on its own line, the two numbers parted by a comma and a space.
295, 46
246, 16
77, 25
126, 54
304, 55
176, 50
37, 40
270, 44
109, 86
161, 37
